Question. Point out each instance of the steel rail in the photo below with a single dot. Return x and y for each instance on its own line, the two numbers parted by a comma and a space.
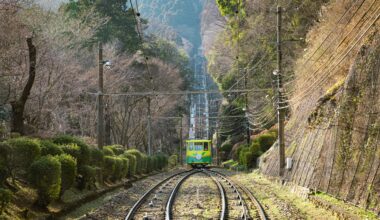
259, 207
224, 211
137, 205
169, 204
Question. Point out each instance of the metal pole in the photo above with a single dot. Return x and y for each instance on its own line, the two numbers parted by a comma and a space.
280, 109
181, 142
149, 129
100, 99
246, 110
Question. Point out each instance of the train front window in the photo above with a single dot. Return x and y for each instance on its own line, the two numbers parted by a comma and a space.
205, 146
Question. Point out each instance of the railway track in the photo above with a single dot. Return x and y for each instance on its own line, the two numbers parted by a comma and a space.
236, 201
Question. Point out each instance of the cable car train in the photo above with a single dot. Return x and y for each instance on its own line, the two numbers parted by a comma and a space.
198, 153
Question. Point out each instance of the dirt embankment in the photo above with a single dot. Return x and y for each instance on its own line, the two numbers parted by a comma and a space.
333, 132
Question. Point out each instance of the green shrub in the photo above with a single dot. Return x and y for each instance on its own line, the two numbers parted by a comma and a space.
266, 140
45, 176
68, 171
132, 163
256, 151
155, 163
84, 151
96, 157
118, 171
150, 164
144, 163
107, 151
125, 167
5, 199
23, 152
5, 157
246, 159
139, 160
88, 177
109, 167
117, 149
3, 175
172, 161
50, 148
162, 161
71, 149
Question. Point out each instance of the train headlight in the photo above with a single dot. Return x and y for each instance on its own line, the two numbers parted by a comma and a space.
198, 157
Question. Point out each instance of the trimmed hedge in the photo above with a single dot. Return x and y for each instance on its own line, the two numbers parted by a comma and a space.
107, 151
50, 148
84, 151
117, 149
96, 157
23, 152
88, 177
45, 176
68, 171
109, 167
139, 160
132, 164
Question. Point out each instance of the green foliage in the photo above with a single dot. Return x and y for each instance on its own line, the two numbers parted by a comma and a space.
88, 174
68, 171
139, 160
50, 148
23, 152
71, 149
96, 157
228, 7
120, 26
3, 174
109, 167
172, 161
150, 165
132, 163
116, 149
266, 140
45, 176
5, 198
5, 153
228, 163
246, 157
118, 170
125, 169
162, 161
144, 162
84, 151
107, 151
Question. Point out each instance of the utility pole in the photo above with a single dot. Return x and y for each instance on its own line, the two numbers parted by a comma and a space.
149, 129
217, 143
181, 142
100, 99
280, 106
246, 110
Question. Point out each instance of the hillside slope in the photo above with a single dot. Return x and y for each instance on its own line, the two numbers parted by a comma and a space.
333, 132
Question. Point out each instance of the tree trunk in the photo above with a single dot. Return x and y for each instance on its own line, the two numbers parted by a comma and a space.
18, 106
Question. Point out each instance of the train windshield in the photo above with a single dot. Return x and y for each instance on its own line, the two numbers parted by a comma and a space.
205, 146
197, 146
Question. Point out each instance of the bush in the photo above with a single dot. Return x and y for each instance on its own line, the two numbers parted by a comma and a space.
266, 140
144, 163
118, 171
68, 171
109, 167
132, 164
150, 164
45, 176
71, 149
246, 158
125, 167
3, 175
116, 149
107, 151
139, 160
162, 161
49, 148
5, 199
23, 152
84, 151
88, 177
172, 161
5, 153
96, 157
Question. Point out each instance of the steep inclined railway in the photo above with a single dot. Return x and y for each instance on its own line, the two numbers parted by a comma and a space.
197, 194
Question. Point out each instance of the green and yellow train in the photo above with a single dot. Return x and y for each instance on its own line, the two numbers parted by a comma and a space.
198, 153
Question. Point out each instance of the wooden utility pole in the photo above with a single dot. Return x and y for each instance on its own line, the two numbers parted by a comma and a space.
181, 142
280, 104
149, 129
100, 99
246, 110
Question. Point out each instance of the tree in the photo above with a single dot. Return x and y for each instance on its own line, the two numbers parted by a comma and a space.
18, 106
